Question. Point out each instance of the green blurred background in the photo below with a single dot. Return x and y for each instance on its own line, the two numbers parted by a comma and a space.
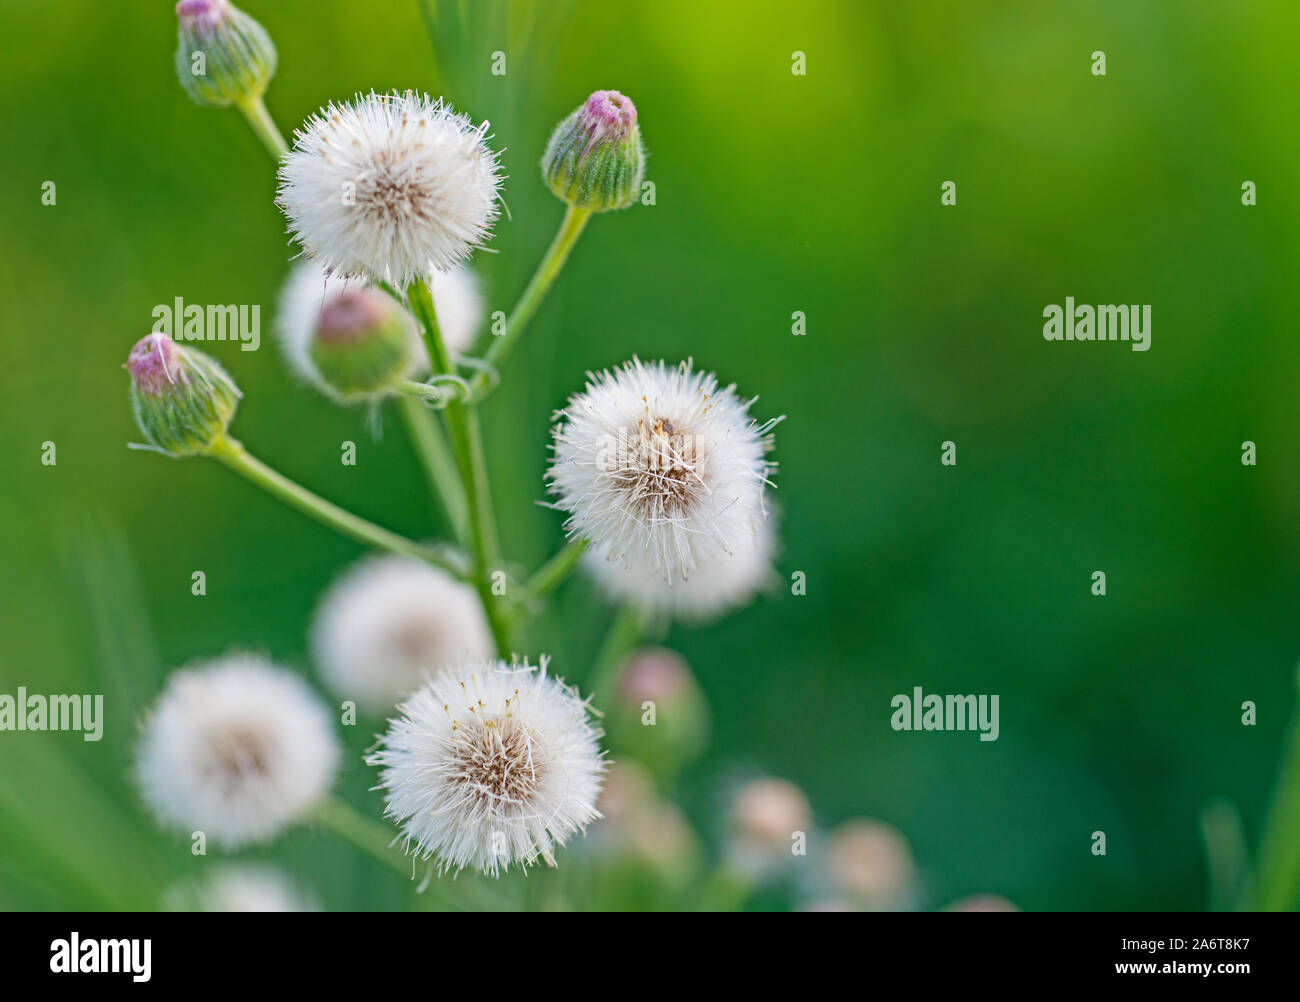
775, 193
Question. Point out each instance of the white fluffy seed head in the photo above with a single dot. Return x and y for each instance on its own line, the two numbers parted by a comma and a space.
242, 887
309, 293
665, 472
490, 766
724, 582
390, 186
237, 748
391, 623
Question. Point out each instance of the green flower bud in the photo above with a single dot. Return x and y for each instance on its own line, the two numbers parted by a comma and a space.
223, 55
595, 159
659, 715
361, 344
183, 400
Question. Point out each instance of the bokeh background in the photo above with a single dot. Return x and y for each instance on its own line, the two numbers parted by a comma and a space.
776, 193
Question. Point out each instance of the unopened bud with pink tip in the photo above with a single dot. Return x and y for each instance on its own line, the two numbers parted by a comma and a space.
182, 399
223, 56
595, 159
659, 714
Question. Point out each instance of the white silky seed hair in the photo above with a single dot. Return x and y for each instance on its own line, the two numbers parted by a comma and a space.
491, 766
665, 473
237, 748
391, 623
390, 186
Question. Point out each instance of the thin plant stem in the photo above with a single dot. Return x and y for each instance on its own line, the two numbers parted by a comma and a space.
435, 396
467, 444
623, 635
345, 821
543, 278
263, 125
435, 458
233, 454
554, 572
1277, 880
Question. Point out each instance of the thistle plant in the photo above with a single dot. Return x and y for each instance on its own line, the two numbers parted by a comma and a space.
491, 759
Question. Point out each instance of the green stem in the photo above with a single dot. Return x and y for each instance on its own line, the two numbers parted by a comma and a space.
347, 823
724, 890
623, 635
547, 271
436, 396
439, 468
553, 573
467, 444
263, 125
1277, 883
236, 457
344, 821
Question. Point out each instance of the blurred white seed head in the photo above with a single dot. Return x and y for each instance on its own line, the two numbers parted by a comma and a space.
237, 748
391, 623
665, 473
390, 186
724, 582
871, 861
242, 887
458, 303
490, 766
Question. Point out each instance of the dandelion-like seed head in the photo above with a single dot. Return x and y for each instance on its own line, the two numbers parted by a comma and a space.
665, 472
391, 623
390, 186
237, 748
489, 766
242, 887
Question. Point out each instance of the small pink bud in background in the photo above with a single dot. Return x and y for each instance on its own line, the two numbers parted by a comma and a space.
767, 812
872, 861
659, 714
982, 903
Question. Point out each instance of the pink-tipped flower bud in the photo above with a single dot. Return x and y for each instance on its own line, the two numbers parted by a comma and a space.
223, 55
349, 340
767, 813
872, 861
182, 399
595, 159
659, 714
362, 344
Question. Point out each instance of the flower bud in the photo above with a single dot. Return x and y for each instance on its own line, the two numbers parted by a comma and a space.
595, 159
223, 55
659, 715
872, 861
361, 344
767, 812
183, 400
767, 817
